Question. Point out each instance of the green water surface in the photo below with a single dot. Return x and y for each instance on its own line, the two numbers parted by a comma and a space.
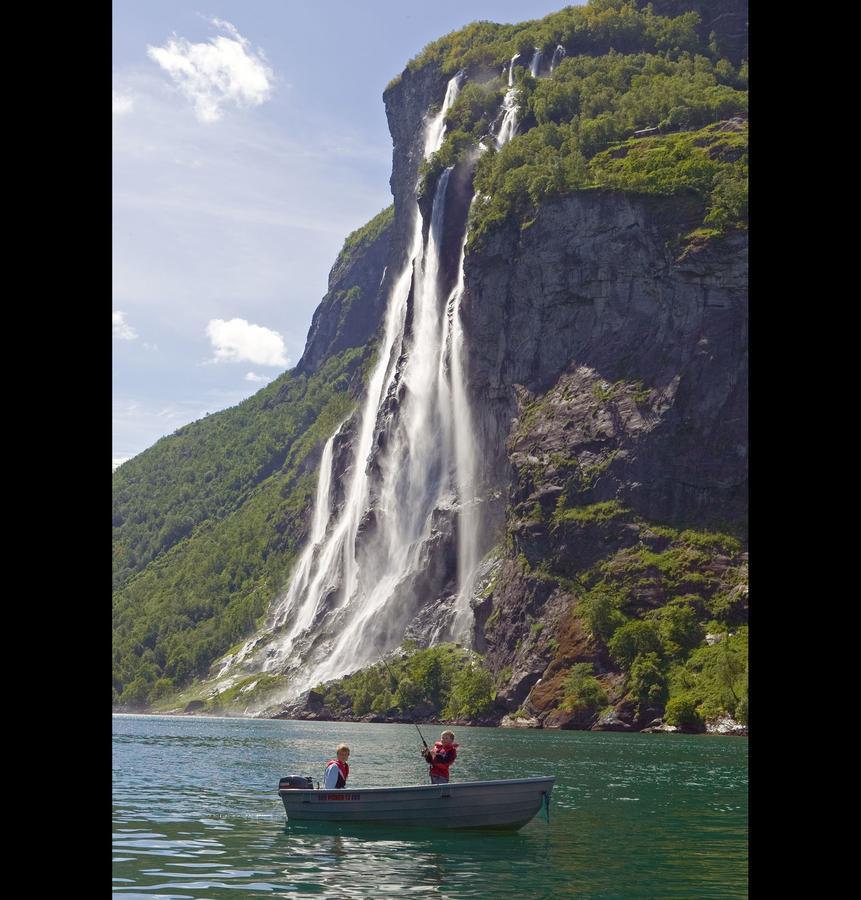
196, 814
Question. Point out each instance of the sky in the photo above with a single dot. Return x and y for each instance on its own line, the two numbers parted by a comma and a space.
249, 138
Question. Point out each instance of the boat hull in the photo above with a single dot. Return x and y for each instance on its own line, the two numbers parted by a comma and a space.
508, 804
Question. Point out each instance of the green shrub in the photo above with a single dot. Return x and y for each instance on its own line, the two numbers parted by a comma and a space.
595, 513
632, 639
716, 676
471, 693
647, 682
444, 676
598, 609
382, 703
136, 694
582, 691
682, 711
679, 628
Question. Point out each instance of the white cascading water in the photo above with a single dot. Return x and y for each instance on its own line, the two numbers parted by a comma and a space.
536, 62
508, 128
558, 55
466, 455
322, 512
343, 603
299, 581
511, 69
329, 582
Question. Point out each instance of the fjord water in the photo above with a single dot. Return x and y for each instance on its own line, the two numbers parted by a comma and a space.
196, 814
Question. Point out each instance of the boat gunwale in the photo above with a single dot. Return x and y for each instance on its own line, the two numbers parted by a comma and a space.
414, 787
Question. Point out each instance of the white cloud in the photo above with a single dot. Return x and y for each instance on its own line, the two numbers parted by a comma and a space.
122, 104
262, 217
251, 376
212, 75
122, 329
118, 461
237, 340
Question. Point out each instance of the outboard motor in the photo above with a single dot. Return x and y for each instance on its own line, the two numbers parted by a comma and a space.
295, 783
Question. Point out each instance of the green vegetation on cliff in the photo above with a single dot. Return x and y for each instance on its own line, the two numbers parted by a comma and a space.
594, 29
626, 70
445, 681
359, 240
242, 484
652, 610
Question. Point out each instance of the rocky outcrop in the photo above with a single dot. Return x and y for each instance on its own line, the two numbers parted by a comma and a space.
726, 725
408, 101
351, 311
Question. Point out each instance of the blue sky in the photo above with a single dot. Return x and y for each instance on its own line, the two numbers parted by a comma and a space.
249, 138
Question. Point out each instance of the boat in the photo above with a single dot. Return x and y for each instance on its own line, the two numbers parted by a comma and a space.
507, 804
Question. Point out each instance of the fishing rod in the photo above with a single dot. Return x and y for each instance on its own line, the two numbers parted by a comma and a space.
392, 675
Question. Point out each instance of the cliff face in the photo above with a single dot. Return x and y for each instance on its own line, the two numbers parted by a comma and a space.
596, 287
607, 366
408, 100
350, 313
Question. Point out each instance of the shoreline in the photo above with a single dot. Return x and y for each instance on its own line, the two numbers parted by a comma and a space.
708, 732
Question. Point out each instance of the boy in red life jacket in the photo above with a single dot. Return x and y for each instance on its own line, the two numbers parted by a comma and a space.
441, 757
338, 769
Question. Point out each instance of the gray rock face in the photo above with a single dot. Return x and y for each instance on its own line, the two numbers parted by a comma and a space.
407, 102
594, 283
354, 305
611, 721
519, 722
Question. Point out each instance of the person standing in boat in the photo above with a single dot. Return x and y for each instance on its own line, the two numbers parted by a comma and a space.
441, 757
337, 770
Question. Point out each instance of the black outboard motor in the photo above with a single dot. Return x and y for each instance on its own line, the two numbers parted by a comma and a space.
295, 783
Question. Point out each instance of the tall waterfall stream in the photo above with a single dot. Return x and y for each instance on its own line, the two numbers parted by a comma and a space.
356, 586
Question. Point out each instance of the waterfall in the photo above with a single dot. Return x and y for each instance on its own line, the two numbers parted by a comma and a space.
558, 54
299, 581
343, 601
466, 454
511, 70
364, 575
508, 128
322, 513
436, 127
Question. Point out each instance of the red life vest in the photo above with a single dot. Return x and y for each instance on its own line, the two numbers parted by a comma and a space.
344, 769
442, 758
